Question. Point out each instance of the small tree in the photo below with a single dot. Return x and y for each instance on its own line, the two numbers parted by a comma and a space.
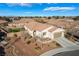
49, 17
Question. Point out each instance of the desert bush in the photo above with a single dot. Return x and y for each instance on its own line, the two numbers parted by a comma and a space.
36, 44
28, 42
37, 48
15, 35
57, 44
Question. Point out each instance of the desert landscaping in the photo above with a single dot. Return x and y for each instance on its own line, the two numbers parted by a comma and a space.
21, 43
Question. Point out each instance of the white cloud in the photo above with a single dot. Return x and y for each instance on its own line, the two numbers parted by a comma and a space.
25, 4
58, 8
19, 4
28, 12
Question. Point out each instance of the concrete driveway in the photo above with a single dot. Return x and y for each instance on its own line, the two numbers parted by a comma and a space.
66, 46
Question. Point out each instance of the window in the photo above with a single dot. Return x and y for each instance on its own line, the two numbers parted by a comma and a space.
34, 32
44, 33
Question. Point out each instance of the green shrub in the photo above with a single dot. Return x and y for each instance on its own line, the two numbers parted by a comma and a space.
14, 30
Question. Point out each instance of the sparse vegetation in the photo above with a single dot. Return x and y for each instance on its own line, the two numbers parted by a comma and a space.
40, 20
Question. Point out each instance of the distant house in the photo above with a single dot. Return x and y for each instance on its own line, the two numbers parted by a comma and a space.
14, 18
40, 30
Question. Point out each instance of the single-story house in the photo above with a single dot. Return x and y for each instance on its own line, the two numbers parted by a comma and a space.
40, 30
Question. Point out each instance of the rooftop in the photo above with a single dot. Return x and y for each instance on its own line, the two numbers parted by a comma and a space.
2, 21
60, 23
52, 29
37, 26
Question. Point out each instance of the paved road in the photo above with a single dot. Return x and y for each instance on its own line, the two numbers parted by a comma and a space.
68, 53
55, 51
64, 42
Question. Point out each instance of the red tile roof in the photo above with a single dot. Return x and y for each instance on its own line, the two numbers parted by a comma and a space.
52, 29
37, 26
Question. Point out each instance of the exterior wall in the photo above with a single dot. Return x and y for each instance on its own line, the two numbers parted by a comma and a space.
59, 32
57, 35
38, 34
45, 34
29, 31
48, 35
62, 34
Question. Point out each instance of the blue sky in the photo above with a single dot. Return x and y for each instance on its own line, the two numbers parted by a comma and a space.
39, 9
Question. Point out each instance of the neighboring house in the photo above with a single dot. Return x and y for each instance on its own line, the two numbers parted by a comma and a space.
3, 22
40, 30
75, 32
19, 23
62, 23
